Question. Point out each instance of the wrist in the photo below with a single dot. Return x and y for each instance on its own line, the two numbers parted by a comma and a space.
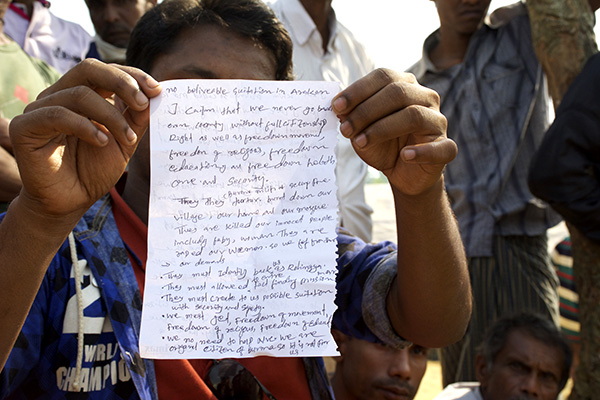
31, 217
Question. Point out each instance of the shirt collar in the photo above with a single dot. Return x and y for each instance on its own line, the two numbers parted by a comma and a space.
301, 26
495, 20
21, 9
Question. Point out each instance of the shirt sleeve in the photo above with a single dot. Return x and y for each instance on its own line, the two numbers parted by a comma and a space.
365, 273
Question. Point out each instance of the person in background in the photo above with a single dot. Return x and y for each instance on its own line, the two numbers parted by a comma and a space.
113, 21
60, 43
522, 357
566, 173
494, 95
72, 155
22, 78
375, 371
324, 49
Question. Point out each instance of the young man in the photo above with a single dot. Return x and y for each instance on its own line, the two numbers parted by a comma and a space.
374, 371
493, 93
523, 357
324, 49
73, 146
113, 21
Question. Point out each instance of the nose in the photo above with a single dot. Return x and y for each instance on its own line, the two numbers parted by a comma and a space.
531, 385
400, 364
111, 13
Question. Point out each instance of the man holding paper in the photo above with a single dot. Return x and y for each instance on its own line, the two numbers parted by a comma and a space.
77, 329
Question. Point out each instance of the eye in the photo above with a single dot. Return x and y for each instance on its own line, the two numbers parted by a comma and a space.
518, 367
418, 350
549, 379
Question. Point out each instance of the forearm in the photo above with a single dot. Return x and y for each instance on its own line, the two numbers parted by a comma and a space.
430, 304
29, 241
10, 180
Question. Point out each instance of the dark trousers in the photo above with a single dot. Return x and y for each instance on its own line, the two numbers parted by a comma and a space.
519, 277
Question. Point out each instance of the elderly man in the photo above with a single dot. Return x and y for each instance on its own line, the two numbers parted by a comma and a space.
523, 357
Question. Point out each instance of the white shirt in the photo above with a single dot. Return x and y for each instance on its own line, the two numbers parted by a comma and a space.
62, 44
460, 391
345, 62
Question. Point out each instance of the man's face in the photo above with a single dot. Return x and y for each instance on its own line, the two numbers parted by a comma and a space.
525, 368
372, 371
462, 16
205, 52
114, 19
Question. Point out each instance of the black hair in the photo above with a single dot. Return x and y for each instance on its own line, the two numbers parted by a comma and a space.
536, 326
160, 26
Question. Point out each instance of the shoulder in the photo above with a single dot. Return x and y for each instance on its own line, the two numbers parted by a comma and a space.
583, 93
460, 391
48, 73
510, 14
355, 253
354, 46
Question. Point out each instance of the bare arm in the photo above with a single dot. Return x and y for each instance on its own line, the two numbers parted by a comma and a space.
71, 146
10, 181
395, 126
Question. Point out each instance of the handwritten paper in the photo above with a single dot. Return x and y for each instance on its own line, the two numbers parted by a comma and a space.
243, 209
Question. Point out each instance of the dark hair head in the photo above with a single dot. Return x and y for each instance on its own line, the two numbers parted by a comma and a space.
536, 326
159, 27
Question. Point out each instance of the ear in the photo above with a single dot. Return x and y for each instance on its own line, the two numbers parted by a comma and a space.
481, 370
341, 340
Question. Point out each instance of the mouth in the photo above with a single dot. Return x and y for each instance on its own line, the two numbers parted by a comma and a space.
117, 36
395, 392
472, 13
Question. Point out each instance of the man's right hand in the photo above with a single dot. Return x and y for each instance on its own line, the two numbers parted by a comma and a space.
72, 144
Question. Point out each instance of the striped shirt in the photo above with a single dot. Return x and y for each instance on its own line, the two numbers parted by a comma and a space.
497, 107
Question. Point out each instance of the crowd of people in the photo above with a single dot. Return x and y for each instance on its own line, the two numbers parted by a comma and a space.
479, 166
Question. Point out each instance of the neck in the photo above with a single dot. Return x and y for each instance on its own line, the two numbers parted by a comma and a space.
450, 50
319, 11
339, 388
136, 194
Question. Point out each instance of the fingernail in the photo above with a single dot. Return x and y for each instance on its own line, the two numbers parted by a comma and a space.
131, 136
102, 138
346, 128
151, 82
141, 98
409, 154
339, 104
361, 140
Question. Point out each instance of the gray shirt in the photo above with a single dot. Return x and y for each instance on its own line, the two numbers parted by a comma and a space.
497, 107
